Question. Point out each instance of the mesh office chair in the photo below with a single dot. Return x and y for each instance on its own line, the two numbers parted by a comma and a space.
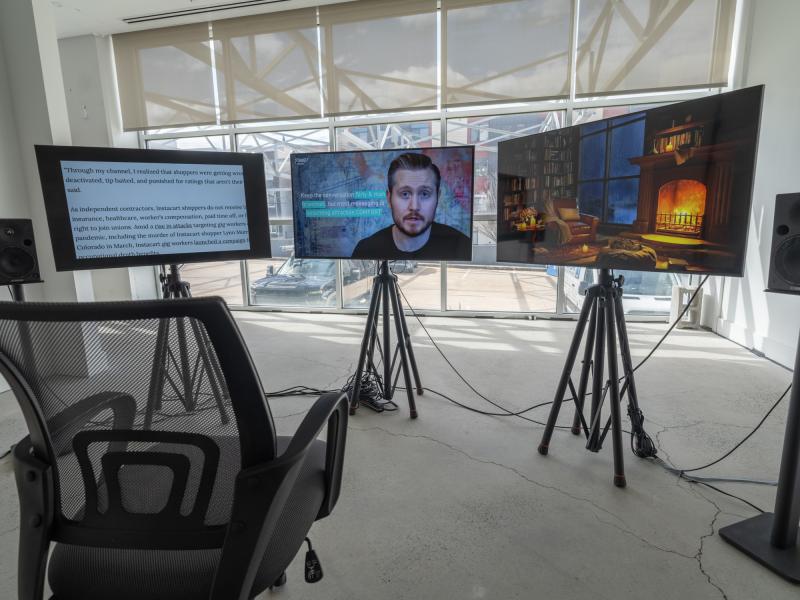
152, 460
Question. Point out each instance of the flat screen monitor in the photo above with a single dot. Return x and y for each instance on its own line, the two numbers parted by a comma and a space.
665, 189
119, 207
384, 204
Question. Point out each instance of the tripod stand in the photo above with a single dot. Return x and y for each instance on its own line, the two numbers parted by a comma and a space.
384, 292
190, 376
603, 310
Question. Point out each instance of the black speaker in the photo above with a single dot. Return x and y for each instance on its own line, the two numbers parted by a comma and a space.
18, 263
784, 260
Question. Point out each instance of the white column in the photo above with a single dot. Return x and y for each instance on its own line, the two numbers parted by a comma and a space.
30, 48
95, 120
39, 112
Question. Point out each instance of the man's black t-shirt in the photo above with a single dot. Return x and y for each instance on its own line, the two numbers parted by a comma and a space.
445, 243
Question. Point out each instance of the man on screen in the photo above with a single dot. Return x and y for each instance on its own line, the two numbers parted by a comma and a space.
413, 183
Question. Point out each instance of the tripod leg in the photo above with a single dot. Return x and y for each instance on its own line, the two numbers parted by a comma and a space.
401, 344
598, 367
613, 384
565, 374
366, 344
206, 354
189, 401
407, 339
387, 338
580, 400
209, 358
158, 374
373, 343
637, 419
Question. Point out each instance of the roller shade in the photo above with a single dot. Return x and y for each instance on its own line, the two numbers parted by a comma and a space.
643, 45
268, 66
165, 77
505, 51
379, 55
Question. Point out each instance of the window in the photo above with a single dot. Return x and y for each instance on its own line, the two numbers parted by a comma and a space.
608, 184
212, 278
483, 285
286, 280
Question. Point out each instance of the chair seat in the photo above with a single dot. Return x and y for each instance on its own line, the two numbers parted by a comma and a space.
88, 573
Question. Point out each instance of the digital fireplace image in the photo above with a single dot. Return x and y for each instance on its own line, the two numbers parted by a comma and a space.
665, 189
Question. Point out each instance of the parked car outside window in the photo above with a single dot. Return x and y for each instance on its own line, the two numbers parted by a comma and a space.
310, 282
645, 292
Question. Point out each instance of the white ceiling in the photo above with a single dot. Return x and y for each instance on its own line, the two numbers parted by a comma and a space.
81, 17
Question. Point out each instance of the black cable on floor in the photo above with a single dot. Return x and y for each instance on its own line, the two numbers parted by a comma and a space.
699, 481
674, 324
508, 413
298, 390
736, 447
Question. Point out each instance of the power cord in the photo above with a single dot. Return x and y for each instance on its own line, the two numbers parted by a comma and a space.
298, 390
698, 479
674, 324
506, 412
370, 392
641, 444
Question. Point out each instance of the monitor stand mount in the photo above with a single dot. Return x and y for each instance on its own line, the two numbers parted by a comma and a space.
602, 309
386, 296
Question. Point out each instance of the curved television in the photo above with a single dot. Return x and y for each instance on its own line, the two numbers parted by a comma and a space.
665, 189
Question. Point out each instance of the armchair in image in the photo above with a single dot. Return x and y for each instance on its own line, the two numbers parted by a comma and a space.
565, 225
157, 473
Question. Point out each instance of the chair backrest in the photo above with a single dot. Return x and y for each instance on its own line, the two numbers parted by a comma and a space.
564, 203
145, 410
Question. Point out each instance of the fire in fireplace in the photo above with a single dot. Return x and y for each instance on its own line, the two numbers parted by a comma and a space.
681, 207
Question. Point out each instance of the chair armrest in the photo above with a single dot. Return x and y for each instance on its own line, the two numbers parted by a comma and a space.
589, 219
333, 409
261, 492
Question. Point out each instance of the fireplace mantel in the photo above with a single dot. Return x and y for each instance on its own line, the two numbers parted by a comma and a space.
704, 154
710, 165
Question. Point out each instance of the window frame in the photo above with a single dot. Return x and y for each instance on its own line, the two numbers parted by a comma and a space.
570, 105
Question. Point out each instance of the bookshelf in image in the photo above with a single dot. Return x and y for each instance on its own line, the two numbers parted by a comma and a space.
536, 169
678, 137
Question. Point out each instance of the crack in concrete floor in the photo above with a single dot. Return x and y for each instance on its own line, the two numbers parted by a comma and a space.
712, 526
698, 556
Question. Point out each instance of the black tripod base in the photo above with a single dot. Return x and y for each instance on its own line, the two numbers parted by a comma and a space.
397, 358
752, 536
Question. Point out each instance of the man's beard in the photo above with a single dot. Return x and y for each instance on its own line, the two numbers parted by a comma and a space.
413, 234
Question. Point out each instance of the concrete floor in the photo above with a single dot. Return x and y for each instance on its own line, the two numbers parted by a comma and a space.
456, 505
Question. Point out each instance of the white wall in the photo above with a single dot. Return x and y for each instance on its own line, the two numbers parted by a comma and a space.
13, 194
763, 321
94, 120
38, 110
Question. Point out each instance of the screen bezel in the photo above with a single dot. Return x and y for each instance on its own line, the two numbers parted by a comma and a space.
296, 155
55, 201
742, 259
